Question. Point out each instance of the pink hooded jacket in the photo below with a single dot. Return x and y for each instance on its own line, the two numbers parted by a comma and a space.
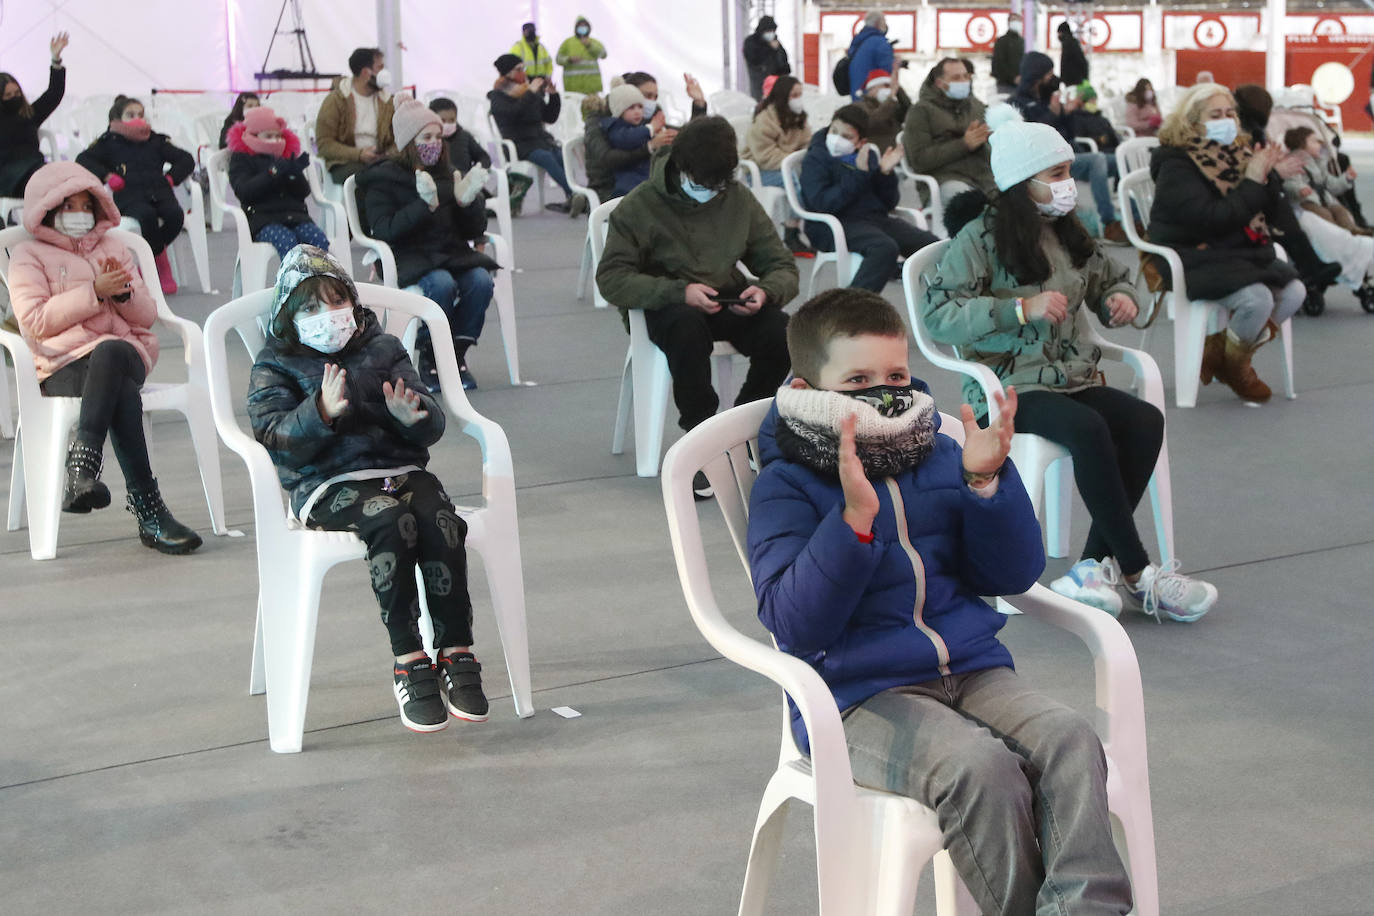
52, 278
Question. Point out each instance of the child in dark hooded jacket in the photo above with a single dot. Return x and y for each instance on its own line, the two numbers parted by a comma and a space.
337, 403
267, 173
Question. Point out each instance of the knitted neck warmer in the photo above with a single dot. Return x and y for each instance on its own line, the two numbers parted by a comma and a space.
137, 130
1224, 167
808, 431
255, 143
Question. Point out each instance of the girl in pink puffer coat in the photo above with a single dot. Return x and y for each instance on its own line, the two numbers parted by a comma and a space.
87, 316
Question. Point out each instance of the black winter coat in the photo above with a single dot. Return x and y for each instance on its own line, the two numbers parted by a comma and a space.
422, 240
464, 151
1207, 229
521, 120
604, 160
1073, 63
762, 61
20, 155
283, 392
139, 163
271, 190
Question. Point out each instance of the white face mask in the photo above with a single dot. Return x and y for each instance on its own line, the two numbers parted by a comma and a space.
1063, 197
327, 331
74, 225
1222, 130
650, 106
839, 145
797, 106
769, 36
883, 94
383, 79
1014, 26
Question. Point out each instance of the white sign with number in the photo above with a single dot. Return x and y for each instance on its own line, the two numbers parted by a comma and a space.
1212, 32
960, 30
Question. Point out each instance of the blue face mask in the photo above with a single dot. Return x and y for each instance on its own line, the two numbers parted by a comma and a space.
959, 91
700, 193
1222, 130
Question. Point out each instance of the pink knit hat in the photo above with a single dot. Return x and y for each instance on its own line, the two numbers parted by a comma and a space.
257, 120
410, 118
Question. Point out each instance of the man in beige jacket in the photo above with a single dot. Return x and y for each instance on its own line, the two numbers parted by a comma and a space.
353, 128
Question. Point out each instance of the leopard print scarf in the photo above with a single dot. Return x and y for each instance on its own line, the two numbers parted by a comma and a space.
1224, 167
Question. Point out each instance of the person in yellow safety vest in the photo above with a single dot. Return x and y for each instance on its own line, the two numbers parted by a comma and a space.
578, 57
534, 54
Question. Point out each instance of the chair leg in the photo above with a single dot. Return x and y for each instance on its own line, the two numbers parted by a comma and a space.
1059, 487
505, 310
584, 270
289, 619
1134, 838
763, 853
200, 250
725, 380
16, 505
43, 477
6, 415
952, 897
257, 674
652, 388
1190, 328
426, 623
506, 583
622, 407
1286, 341
206, 444
1162, 504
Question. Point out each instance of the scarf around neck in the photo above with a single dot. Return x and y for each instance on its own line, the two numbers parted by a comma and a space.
1224, 167
808, 431
138, 130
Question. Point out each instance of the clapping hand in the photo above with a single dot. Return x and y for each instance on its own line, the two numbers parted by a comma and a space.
1122, 309
890, 158
976, 135
860, 499
985, 450
333, 400
403, 403
112, 280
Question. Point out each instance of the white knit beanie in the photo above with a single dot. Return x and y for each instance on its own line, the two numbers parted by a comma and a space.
411, 117
622, 97
1021, 150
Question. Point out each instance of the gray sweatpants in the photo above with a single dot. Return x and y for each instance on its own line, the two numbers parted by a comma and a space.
1251, 306
1017, 780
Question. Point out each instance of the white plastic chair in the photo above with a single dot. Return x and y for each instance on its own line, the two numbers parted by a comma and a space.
871, 846
37, 471
333, 217
505, 155
730, 103
293, 559
934, 210
1046, 468
1134, 154
772, 199
1193, 319
192, 201
504, 295
645, 382
575, 166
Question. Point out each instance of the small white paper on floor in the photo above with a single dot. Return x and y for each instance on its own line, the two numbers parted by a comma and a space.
566, 712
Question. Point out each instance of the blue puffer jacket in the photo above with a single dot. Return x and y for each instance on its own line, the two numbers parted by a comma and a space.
625, 136
869, 617
870, 50
831, 185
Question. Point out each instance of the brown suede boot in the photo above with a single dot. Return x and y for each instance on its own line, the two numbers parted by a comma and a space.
1213, 355
1237, 372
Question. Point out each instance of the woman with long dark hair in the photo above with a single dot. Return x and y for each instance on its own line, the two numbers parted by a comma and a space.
244, 103
1012, 292
779, 128
20, 119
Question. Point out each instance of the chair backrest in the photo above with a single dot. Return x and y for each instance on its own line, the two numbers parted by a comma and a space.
575, 162
729, 103
741, 125
350, 202
217, 170
598, 226
791, 180
1134, 154
1137, 188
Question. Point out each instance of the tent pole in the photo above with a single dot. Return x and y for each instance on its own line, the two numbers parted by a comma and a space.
1275, 63
389, 39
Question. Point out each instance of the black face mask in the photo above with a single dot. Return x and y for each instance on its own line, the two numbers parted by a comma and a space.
1050, 88
12, 106
888, 400
531, 37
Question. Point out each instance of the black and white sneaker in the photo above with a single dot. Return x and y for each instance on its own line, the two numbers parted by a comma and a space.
462, 686
416, 685
701, 487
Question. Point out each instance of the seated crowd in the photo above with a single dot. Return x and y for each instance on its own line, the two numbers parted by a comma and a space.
854, 482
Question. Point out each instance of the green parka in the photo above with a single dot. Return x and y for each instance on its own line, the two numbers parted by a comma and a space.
934, 135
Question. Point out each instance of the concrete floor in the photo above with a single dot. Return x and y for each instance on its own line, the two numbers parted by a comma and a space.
135, 775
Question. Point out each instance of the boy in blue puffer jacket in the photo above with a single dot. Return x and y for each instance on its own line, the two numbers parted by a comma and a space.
627, 130
870, 539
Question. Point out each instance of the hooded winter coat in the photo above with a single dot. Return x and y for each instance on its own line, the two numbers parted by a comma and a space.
51, 278
934, 134
970, 302
521, 118
337, 120
906, 608
1207, 229
585, 75
831, 185
660, 240
1028, 100
283, 393
870, 50
421, 239
1007, 52
761, 59
271, 189
140, 163
626, 137
20, 154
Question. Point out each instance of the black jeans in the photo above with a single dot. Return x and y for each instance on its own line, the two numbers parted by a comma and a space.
686, 336
880, 240
107, 380
411, 524
159, 219
1114, 439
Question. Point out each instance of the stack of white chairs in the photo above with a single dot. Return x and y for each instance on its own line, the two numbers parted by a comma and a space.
729, 103
872, 846
37, 471
385, 261
293, 559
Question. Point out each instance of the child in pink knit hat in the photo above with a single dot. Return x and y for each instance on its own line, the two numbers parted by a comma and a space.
267, 173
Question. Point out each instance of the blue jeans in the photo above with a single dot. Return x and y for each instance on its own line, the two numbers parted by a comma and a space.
771, 178
552, 163
463, 298
1093, 168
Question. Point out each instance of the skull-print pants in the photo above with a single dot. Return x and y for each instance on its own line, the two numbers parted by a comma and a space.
410, 523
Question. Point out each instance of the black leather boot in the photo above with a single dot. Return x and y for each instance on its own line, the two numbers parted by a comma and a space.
460, 350
156, 526
84, 491
1316, 273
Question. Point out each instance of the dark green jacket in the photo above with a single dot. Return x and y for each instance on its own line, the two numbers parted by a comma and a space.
660, 240
934, 135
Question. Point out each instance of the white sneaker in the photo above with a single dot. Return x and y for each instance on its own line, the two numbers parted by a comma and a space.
1165, 589
1093, 584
